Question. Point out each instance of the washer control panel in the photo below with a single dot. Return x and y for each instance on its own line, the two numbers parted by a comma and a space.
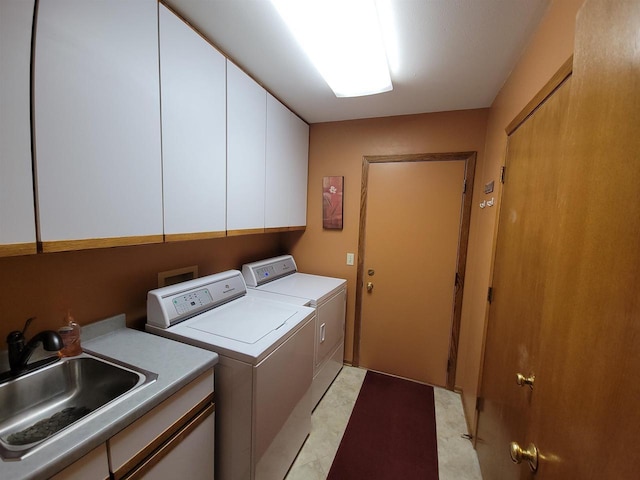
192, 301
169, 305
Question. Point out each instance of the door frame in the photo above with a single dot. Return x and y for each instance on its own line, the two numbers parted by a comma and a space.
463, 240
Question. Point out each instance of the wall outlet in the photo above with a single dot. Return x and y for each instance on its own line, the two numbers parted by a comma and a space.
350, 258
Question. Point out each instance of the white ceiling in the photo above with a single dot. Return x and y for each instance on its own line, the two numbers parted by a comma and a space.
452, 54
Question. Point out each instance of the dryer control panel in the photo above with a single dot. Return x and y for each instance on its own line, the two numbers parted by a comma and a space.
259, 273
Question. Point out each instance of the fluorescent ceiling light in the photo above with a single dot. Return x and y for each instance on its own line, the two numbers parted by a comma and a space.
343, 40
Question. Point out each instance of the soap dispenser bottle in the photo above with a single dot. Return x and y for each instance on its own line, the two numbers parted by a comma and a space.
70, 333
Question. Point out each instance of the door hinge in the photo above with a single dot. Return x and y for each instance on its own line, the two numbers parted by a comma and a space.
464, 187
502, 173
490, 295
479, 403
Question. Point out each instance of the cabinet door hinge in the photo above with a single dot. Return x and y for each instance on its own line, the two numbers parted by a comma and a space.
502, 173
490, 295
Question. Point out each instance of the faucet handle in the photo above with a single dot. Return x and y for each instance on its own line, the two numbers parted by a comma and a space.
27, 323
17, 337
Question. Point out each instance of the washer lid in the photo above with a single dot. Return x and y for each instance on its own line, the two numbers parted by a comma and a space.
247, 321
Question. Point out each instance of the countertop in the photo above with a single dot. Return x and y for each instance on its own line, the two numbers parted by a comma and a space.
176, 364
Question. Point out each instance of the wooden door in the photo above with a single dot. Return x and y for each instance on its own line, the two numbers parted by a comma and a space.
413, 219
526, 235
582, 413
585, 414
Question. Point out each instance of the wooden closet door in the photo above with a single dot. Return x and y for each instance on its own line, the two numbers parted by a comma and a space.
526, 240
585, 414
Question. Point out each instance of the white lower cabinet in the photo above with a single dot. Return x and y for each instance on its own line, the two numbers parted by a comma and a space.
93, 466
190, 456
174, 440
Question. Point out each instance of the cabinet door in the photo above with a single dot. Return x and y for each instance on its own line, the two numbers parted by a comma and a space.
131, 446
189, 454
192, 80
93, 466
17, 219
246, 130
97, 123
286, 172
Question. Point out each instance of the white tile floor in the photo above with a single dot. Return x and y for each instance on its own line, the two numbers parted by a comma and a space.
456, 457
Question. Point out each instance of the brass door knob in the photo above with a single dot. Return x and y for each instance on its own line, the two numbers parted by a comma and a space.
522, 380
369, 287
530, 455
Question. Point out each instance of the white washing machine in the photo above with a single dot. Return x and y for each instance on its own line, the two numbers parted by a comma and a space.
279, 277
263, 379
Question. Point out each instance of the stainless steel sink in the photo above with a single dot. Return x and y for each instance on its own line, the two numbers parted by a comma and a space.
36, 407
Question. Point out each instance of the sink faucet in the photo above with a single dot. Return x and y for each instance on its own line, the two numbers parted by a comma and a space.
19, 353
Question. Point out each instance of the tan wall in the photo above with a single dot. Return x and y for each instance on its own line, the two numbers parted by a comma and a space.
96, 284
337, 148
549, 48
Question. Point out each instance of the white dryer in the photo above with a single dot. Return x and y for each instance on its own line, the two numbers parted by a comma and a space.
263, 378
279, 278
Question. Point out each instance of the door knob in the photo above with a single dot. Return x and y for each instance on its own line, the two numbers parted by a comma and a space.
522, 380
369, 287
530, 455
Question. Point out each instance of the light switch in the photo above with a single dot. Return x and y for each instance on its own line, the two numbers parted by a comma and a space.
350, 258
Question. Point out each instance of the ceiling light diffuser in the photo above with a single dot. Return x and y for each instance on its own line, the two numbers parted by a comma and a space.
344, 42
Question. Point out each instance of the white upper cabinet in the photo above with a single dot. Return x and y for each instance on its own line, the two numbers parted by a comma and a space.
246, 131
97, 122
193, 93
17, 219
287, 167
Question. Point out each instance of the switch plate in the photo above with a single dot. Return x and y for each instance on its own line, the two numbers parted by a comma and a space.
350, 258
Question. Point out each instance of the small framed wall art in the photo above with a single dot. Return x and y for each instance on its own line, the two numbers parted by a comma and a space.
332, 198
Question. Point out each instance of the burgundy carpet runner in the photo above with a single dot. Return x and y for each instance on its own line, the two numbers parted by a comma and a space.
391, 433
